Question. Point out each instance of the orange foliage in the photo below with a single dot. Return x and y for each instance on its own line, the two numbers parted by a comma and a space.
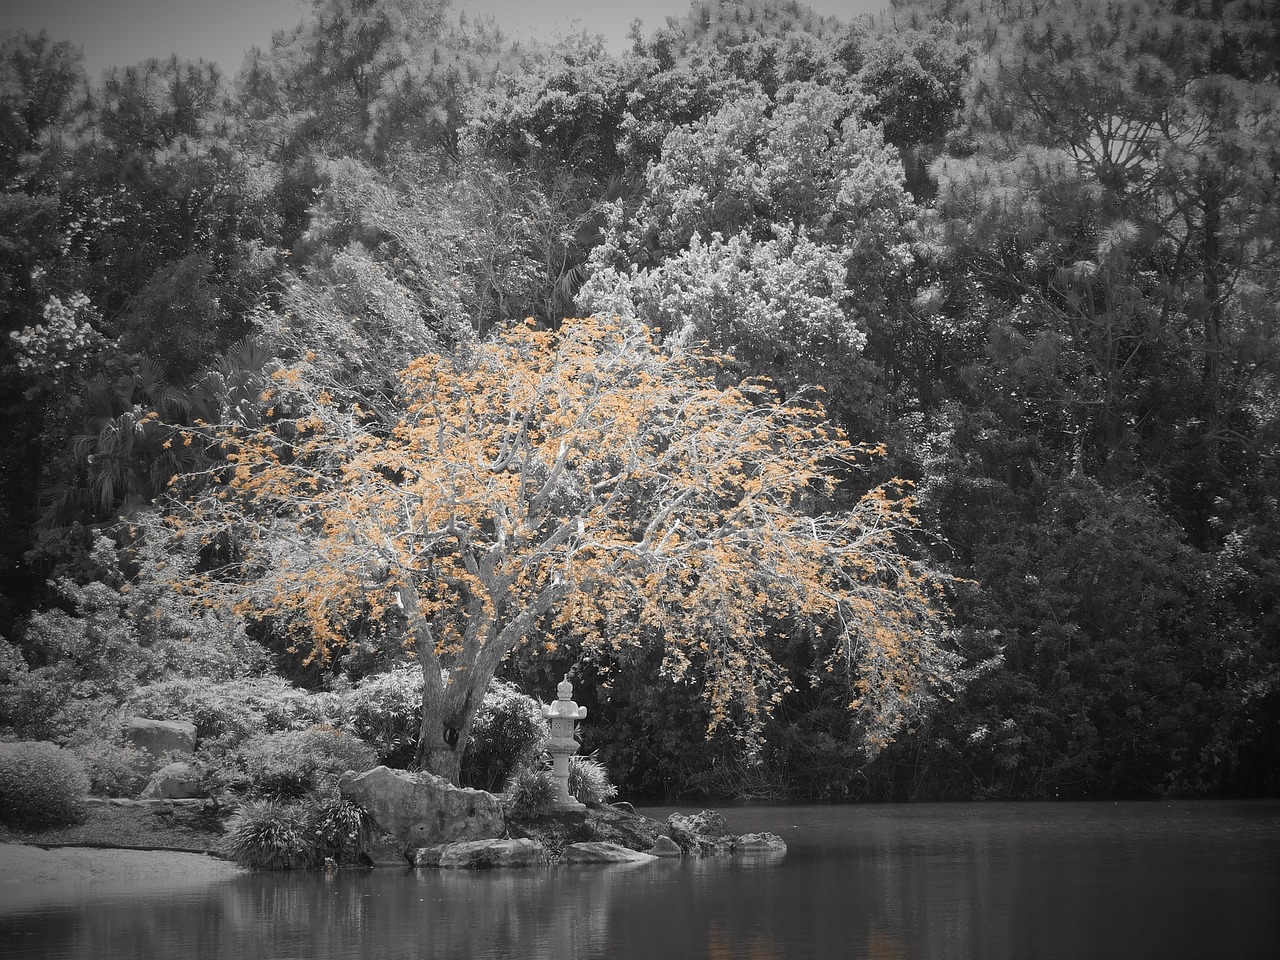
587, 480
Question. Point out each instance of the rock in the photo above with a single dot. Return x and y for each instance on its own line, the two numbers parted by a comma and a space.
480, 854
708, 823
605, 824
159, 737
174, 781
575, 837
665, 847
602, 853
704, 834
384, 850
759, 843
420, 809
428, 856
624, 806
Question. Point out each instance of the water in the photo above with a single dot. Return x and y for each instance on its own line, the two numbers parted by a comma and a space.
990, 881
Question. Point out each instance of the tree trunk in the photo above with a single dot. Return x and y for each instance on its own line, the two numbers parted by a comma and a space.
448, 711
450, 703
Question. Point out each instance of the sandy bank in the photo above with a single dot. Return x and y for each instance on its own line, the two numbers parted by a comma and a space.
22, 864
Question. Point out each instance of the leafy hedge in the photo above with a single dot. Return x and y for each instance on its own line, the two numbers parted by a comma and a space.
41, 785
293, 764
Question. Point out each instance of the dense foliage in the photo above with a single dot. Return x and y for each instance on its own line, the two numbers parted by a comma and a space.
41, 785
269, 835
1027, 249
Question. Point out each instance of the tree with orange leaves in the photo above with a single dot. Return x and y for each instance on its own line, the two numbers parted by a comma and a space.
584, 480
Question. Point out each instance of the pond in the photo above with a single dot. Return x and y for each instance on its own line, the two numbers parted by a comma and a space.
1088, 880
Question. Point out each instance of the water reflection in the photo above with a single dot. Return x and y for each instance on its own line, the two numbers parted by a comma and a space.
882, 883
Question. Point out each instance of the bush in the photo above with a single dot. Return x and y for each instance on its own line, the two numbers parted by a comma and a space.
340, 830
42, 703
531, 790
111, 767
385, 711
269, 836
231, 711
509, 730
292, 764
41, 785
266, 835
589, 781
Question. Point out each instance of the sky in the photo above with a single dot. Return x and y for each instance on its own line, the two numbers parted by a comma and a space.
120, 32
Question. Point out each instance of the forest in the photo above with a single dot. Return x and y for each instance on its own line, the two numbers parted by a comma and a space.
871, 410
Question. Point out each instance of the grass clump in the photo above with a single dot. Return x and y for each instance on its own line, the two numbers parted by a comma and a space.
531, 790
589, 781
268, 835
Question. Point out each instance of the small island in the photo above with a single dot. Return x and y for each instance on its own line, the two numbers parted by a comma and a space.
378, 817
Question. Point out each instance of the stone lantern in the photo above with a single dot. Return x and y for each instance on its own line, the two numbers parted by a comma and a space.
562, 745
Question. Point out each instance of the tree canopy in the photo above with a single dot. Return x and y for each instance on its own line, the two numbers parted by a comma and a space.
588, 482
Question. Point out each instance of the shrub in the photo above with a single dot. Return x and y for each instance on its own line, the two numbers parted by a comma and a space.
111, 767
266, 835
231, 711
531, 790
339, 829
509, 730
589, 781
41, 785
269, 836
292, 764
42, 703
204, 704
385, 711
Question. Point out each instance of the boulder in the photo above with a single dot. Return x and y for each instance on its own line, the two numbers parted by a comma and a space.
604, 824
603, 853
702, 834
428, 856
160, 737
174, 781
480, 854
708, 823
759, 843
384, 850
665, 847
421, 809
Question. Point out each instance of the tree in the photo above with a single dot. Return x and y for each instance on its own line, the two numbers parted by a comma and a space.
584, 482
776, 305
1151, 127
360, 77
815, 240
915, 81
39, 79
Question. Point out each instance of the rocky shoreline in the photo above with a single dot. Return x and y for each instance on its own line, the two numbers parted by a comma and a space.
423, 822
601, 834
428, 822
